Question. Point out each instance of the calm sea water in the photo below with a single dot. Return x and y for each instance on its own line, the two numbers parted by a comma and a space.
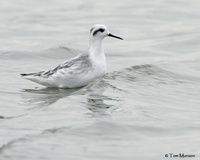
147, 105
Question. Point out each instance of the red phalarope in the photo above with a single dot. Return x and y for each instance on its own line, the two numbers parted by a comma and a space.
80, 70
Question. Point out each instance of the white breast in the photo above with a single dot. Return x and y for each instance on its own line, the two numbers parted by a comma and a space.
98, 64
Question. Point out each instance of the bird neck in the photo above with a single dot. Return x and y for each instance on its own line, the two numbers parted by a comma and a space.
96, 46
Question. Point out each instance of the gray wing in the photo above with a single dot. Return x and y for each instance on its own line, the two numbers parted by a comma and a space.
50, 72
80, 61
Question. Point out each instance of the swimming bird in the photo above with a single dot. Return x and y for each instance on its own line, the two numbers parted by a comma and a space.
80, 70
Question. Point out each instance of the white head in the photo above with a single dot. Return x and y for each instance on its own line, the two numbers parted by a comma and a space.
99, 32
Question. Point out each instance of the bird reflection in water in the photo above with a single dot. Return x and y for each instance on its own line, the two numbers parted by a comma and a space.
96, 99
45, 96
40, 98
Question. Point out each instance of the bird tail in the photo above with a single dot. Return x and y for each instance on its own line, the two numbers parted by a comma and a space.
35, 77
24, 75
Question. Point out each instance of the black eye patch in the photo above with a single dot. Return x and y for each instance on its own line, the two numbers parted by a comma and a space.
101, 30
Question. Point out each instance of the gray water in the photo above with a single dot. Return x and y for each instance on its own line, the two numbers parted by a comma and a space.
146, 106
